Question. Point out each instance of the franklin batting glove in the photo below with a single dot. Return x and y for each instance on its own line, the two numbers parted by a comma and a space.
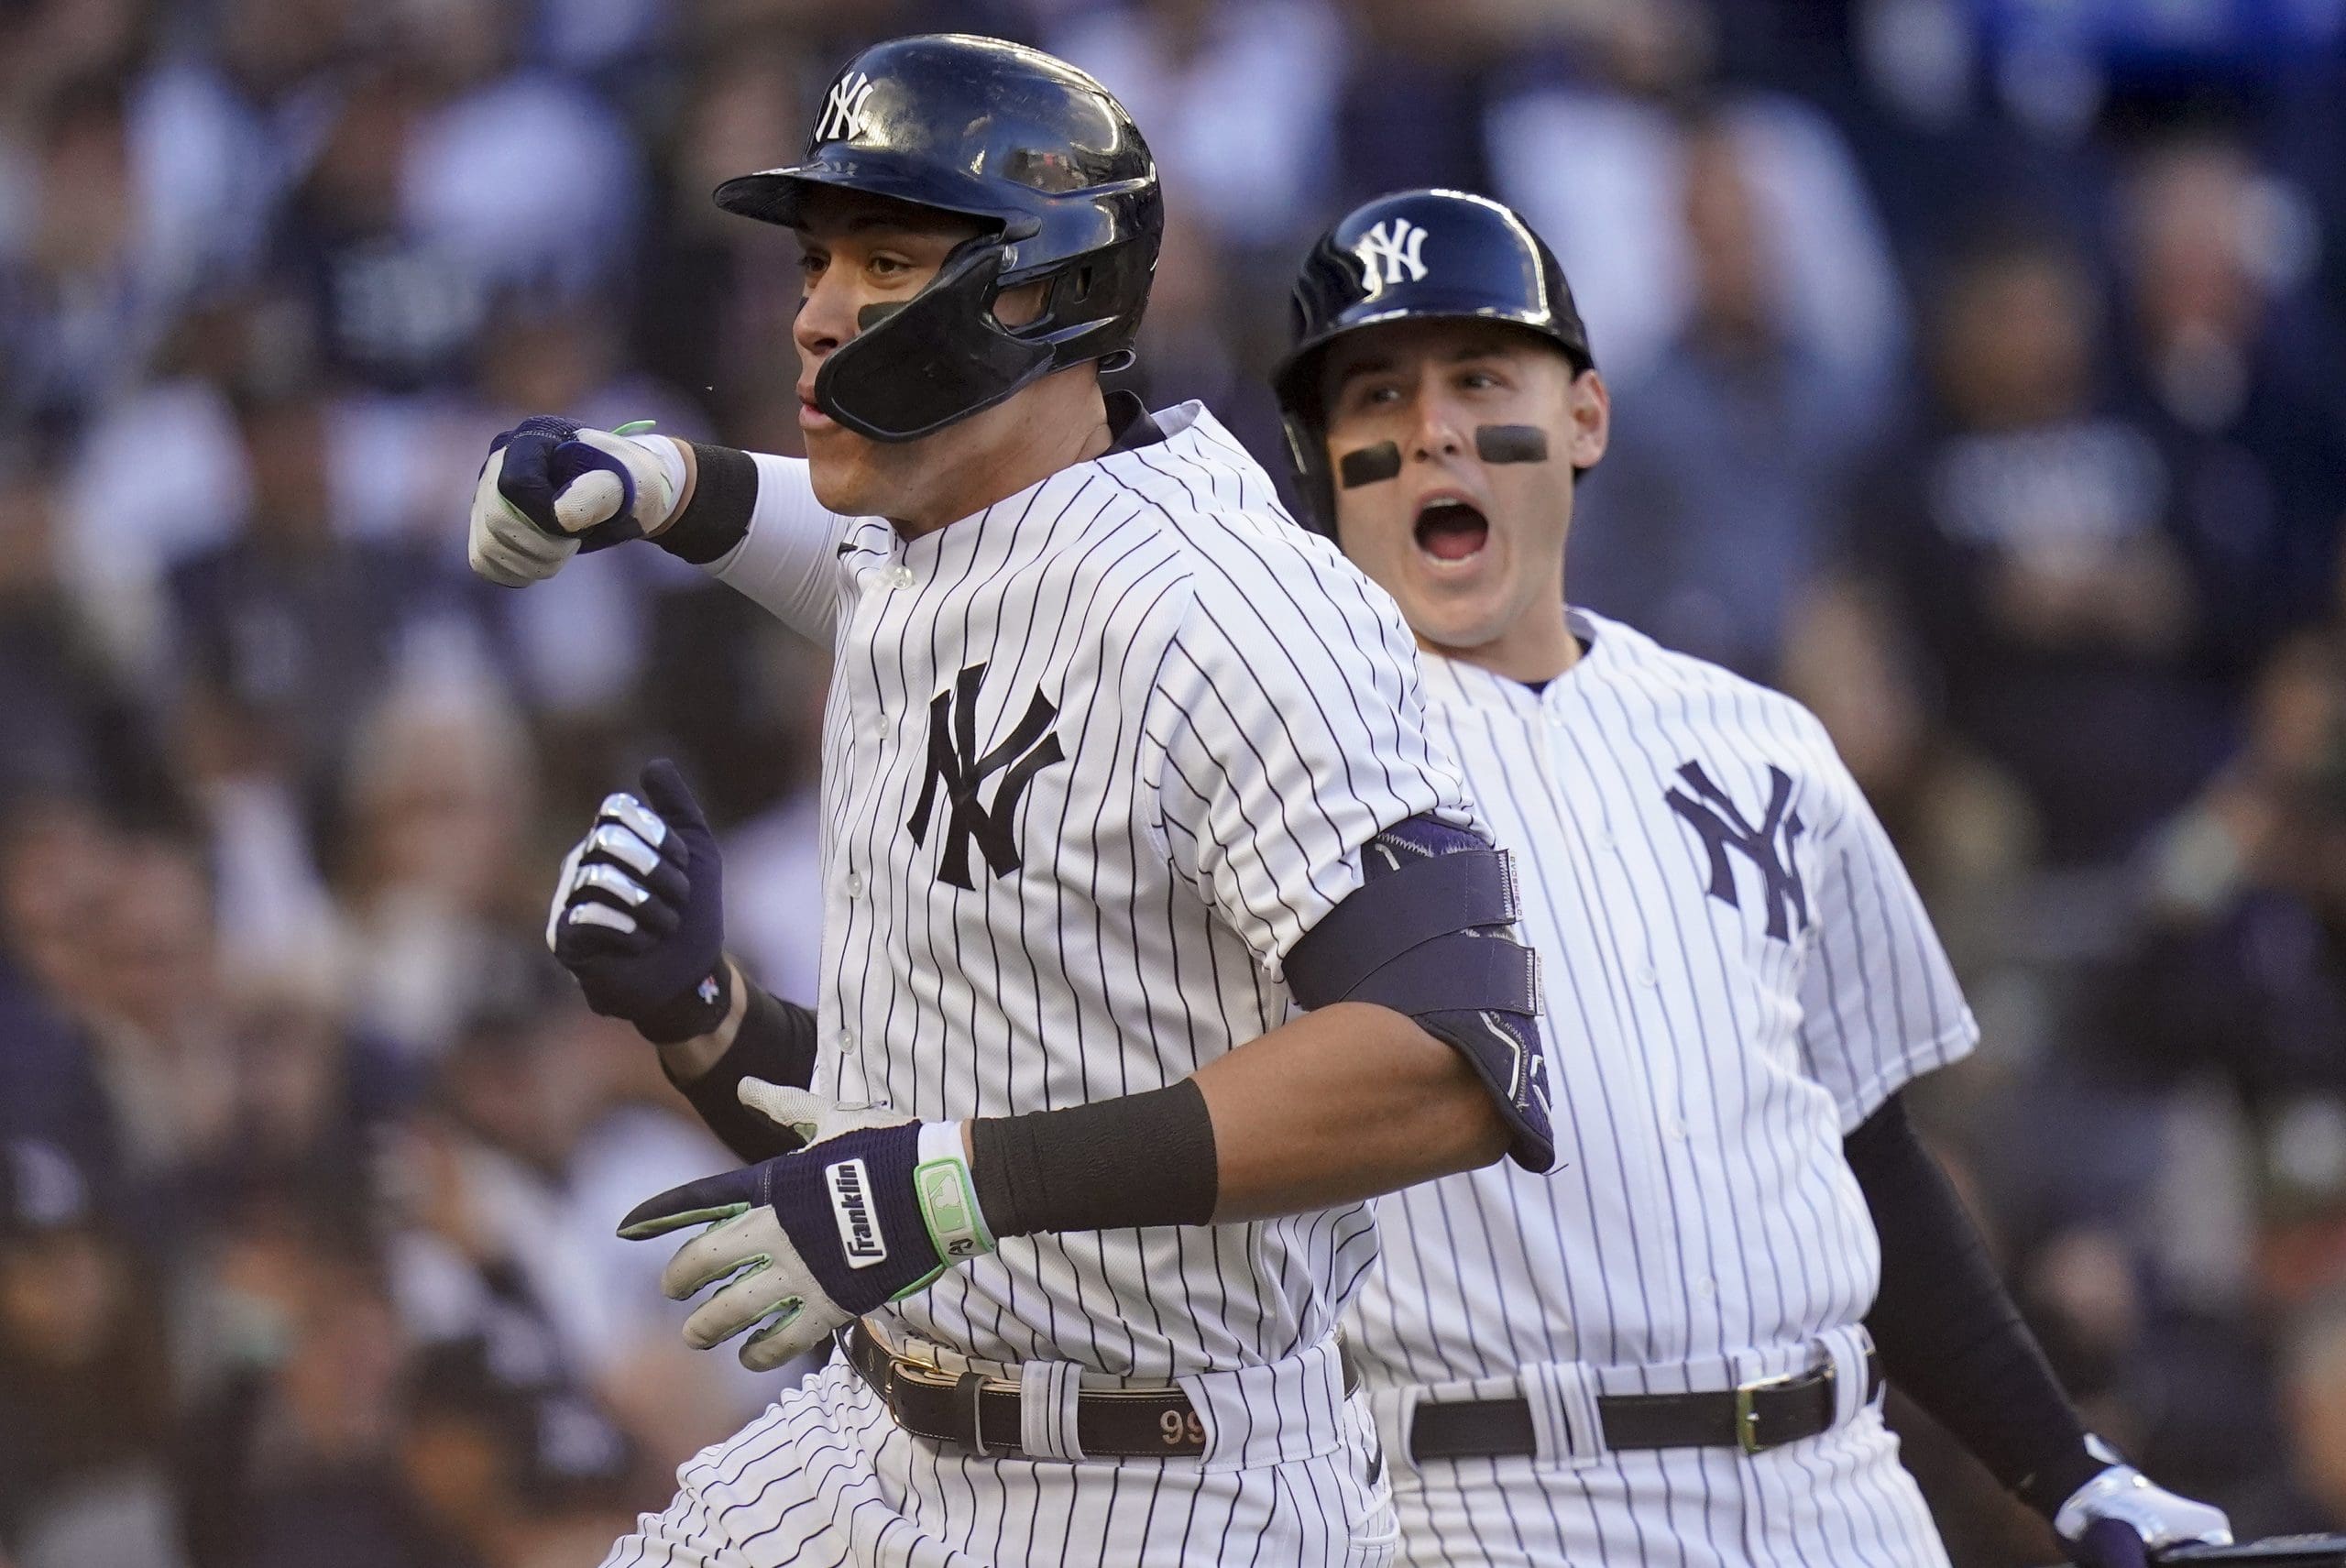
872, 1209
552, 487
639, 912
2119, 1518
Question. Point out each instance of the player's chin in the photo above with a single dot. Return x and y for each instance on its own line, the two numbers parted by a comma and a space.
1459, 627
839, 471
1455, 611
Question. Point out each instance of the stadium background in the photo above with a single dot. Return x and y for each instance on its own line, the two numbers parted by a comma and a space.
1976, 376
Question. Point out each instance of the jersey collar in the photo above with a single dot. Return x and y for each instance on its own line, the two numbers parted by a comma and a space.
1023, 527
1464, 684
1129, 424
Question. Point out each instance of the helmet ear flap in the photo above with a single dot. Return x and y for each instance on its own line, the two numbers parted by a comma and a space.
934, 359
1306, 459
1064, 294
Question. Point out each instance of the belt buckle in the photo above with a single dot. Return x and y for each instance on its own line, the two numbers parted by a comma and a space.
1747, 1410
917, 1371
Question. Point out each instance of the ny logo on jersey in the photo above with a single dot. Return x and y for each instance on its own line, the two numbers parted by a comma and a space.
1389, 251
953, 761
1723, 827
843, 111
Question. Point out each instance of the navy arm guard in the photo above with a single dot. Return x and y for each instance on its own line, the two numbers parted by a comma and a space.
1430, 934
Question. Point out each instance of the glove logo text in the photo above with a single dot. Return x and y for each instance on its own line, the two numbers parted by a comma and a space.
860, 1238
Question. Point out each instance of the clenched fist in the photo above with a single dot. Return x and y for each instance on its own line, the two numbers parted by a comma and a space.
551, 486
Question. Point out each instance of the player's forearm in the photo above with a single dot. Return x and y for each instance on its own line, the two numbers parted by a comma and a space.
761, 1036
1346, 1103
1947, 1330
686, 1061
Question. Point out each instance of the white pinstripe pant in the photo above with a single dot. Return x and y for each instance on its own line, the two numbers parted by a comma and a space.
825, 1479
1840, 1501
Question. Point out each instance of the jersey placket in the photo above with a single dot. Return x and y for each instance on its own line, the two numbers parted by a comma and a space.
1622, 1078
855, 768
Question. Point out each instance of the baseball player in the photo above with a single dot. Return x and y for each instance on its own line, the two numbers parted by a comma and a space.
1670, 1347
1156, 935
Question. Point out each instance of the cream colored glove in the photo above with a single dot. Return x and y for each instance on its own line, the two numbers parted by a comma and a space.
552, 486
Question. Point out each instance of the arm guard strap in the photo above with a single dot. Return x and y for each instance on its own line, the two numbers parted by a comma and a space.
1430, 934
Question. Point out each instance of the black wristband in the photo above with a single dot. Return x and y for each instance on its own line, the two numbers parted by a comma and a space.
725, 491
1141, 1159
1947, 1330
695, 1012
776, 1042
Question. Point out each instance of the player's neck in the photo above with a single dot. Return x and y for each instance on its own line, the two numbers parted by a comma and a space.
1015, 446
1535, 648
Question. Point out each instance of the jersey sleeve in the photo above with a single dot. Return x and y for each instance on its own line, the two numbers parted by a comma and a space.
1290, 728
1879, 1003
788, 558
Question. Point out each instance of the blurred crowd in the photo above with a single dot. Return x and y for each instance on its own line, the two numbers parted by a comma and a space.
1977, 379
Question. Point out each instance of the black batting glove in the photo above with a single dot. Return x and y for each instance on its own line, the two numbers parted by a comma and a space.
639, 912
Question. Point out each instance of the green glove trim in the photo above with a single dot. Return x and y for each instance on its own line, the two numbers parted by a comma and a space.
660, 1224
949, 1204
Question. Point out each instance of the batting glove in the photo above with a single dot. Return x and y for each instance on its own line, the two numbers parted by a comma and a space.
872, 1209
551, 486
2118, 1518
639, 912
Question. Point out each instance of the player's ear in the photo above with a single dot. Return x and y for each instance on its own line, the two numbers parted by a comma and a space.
1588, 415
1017, 307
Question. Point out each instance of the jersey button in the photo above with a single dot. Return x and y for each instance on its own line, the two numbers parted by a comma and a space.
846, 1043
1707, 1288
853, 885
897, 577
1646, 976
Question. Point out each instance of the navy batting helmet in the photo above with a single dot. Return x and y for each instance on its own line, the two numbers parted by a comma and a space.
1034, 151
1413, 256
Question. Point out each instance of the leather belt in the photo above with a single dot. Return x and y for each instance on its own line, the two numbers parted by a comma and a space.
1754, 1418
974, 1411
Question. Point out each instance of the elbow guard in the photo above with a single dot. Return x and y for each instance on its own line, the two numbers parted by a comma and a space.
1430, 934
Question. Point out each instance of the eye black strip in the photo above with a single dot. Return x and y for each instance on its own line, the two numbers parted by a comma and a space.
1369, 465
1511, 444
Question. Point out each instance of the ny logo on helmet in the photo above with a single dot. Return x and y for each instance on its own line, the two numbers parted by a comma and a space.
1387, 252
843, 111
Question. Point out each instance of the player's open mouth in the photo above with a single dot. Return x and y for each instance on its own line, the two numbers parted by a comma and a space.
1450, 530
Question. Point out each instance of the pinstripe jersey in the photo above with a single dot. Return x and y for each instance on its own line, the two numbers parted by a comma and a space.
1738, 972
1093, 760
